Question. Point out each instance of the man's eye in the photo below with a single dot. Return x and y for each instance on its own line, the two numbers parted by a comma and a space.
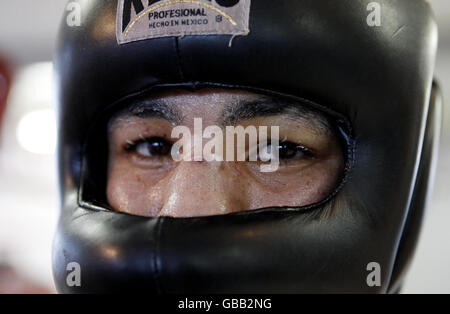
152, 147
286, 151
289, 150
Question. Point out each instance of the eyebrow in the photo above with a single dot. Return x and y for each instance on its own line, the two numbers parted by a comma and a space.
272, 106
150, 109
233, 113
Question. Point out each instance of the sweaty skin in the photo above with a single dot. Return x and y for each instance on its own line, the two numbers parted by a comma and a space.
144, 180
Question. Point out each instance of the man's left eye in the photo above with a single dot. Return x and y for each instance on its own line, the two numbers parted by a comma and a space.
153, 147
289, 150
286, 151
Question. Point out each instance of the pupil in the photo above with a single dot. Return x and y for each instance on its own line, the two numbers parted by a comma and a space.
158, 147
287, 150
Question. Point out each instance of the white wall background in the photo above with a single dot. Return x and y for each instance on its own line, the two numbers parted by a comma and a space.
28, 195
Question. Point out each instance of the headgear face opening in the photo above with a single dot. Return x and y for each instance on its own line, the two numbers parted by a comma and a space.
373, 81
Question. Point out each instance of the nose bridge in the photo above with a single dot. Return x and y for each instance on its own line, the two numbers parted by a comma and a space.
201, 189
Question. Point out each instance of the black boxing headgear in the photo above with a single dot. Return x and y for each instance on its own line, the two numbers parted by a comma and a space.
376, 73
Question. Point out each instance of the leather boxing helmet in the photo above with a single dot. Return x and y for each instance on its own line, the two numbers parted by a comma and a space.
375, 78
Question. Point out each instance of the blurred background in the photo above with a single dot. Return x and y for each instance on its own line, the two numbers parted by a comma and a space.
28, 186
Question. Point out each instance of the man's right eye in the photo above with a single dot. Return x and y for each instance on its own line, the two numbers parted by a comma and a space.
151, 147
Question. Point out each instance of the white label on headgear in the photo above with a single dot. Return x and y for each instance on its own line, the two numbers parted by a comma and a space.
146, 19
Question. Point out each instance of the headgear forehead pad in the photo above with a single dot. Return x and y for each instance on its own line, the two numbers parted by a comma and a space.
376, 78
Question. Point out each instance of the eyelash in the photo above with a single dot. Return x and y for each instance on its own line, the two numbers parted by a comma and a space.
306, 151
132, 146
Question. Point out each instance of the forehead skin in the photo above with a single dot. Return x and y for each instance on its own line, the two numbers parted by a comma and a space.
218, 107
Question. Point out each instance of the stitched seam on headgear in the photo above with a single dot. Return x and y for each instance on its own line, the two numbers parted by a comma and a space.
156, 261
179, 60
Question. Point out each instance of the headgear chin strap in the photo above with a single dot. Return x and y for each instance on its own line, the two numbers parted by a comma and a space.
336, 55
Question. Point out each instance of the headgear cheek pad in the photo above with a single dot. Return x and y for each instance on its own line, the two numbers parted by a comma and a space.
377, 77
